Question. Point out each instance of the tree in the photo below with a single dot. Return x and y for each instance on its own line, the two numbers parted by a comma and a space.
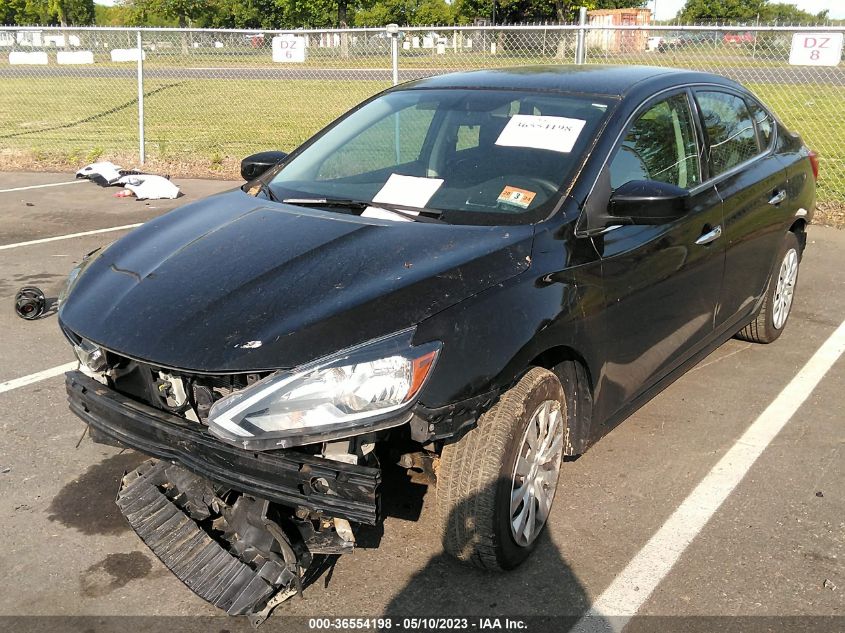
517, 11
183, 11
63, 12
15, 12
405, 12
78, 12
116, 15
790, 14
268, 14
721, 10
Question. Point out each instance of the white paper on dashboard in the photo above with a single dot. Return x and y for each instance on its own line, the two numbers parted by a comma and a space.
555, 133
409, 191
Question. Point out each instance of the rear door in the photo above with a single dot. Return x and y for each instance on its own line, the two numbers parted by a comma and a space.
751, 181
661, 282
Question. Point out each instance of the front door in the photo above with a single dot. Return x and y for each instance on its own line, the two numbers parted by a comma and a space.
661, 282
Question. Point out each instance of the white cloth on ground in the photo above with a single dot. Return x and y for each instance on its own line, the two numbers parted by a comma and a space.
150, 187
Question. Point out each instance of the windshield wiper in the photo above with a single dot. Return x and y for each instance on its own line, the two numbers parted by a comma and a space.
411, 213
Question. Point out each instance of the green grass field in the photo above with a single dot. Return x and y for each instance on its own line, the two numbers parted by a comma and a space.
204, 126
817, 113
182, 117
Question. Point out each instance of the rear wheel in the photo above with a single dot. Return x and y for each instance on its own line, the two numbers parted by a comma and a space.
495, 486
777, 302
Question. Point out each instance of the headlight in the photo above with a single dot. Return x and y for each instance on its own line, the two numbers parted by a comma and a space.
91, 356
355, 391
76, 271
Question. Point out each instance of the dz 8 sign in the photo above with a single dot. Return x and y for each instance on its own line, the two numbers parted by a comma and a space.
289, 48
816, 49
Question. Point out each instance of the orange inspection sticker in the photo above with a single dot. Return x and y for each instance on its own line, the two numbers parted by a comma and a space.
517, 197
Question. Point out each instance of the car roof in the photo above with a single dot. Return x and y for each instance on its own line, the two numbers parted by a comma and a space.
594, 79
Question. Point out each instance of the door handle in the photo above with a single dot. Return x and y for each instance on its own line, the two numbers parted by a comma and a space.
710, 236
779, 197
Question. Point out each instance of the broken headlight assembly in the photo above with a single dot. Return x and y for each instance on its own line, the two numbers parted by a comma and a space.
90, 356
361, 389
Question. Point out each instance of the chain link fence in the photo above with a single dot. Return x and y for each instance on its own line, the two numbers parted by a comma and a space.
207, 98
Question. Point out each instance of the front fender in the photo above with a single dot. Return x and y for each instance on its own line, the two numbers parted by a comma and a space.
491, 338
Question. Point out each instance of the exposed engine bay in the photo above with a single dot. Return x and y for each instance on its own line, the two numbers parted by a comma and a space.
190, 396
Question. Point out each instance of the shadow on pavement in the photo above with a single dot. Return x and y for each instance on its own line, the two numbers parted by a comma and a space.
543, 592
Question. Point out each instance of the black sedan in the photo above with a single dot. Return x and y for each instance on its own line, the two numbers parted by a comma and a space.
471, 276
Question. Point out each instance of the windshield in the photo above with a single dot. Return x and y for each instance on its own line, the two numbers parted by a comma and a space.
471, 156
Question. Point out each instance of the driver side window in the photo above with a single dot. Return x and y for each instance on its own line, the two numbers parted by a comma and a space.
661, 145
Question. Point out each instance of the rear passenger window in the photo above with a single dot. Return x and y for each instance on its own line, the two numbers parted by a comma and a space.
763, 121
730, 130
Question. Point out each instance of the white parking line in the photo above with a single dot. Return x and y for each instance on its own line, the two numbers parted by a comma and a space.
632, 587
70, 236
52, 184
23, 381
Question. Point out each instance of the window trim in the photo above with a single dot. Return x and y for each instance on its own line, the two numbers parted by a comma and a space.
751, 100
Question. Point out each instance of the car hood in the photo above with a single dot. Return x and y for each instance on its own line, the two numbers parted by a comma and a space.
234, 283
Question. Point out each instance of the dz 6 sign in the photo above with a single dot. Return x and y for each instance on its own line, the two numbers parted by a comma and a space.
816, 49
289, 48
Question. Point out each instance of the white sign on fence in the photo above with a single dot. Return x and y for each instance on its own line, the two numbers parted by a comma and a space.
289, 48
75, 57
816, 49
126, 55
19, 57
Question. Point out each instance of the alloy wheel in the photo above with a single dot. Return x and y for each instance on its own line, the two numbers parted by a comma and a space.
787, 276
535, 473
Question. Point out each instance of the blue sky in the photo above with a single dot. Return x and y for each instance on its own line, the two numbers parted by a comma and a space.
668, 8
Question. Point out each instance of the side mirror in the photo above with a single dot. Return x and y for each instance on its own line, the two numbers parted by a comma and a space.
647, 202
253, 166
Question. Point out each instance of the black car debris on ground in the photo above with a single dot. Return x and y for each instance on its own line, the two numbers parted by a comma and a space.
472, 276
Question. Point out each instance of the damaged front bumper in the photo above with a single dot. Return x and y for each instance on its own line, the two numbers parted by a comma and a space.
241, 529
286, 477
166, 507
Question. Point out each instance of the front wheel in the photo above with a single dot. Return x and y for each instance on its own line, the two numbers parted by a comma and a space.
495, 486
780, 291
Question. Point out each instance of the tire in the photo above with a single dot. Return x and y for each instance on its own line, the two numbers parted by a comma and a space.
478, 474
769, 323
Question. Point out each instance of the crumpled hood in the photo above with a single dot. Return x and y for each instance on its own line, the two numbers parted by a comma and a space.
234, 283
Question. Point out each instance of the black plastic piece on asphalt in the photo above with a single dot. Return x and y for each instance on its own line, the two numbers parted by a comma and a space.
30, 303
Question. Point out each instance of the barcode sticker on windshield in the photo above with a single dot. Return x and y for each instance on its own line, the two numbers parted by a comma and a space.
555, 133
